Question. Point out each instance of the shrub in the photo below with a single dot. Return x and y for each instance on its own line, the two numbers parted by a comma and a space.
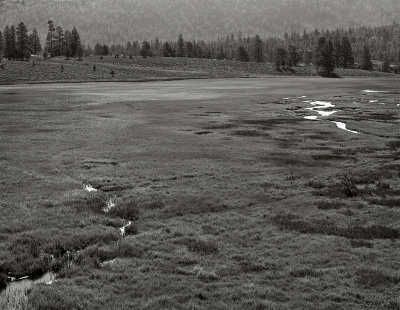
202, 246
326, 227
370, 278
128, 210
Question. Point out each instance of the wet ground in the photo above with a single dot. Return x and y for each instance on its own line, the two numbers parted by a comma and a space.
224, 157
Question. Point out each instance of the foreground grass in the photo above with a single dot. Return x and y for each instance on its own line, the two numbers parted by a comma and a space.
266, 211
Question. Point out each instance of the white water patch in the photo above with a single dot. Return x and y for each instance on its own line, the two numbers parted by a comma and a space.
290, 98
110, 205
89, 188
370, 91
122, 229
398, 105
343, 126
322, 104
325, 113
311, 118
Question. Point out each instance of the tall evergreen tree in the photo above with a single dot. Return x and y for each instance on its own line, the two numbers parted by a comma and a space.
280, 57
59, 41
258, 49
386, 65
181, 46
325, 58
75, 41
146, 50
366, 63
22, 44
34, 42
67, 45
13, 43
50, 39
1, 45
347, 53
167, 50
242, 54
6, 44
338, 54
293, 57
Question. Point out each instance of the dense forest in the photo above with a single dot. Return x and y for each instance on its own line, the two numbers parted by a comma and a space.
114, 21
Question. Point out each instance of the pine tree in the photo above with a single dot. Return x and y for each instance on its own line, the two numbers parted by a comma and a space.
280, 57
146, 50
1, 46
338, 53
386, 64
294, 56
7, 48
34, 42
167, 50
366, 63
181, 46
22, 43
221, 54
347, 53
13, 43
242, 54
189, 49
59, 41
50, 39
325, 58
67, 45
75, 41
258, 49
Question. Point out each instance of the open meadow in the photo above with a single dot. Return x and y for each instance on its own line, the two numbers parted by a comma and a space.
258, 193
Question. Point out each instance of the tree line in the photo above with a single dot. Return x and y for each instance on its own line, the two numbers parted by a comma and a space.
346, 48
16, 43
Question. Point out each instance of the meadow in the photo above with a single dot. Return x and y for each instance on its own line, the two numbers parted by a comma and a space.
234, 196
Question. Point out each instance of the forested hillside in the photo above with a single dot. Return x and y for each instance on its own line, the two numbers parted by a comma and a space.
115, 21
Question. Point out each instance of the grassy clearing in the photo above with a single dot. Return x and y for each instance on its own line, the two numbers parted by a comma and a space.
303, 217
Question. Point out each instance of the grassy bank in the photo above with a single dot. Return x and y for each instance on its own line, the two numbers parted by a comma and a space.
140, 68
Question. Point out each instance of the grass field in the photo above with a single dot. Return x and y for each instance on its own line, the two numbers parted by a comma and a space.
236, 200
157, 68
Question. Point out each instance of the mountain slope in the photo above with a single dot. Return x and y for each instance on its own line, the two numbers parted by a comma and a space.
121, 20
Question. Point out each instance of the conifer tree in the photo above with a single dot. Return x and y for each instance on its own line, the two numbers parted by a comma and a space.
1, 45
146, 50
338, 54
280, 57
293, 57
50, 39
34, 42
167, 50
189, 49
22, 42
13, 43
258, 49
366, 63
242, 54
181, 46
6, 44
75, 41
386, 65
59, 41
347, 53
325, 58
67, 43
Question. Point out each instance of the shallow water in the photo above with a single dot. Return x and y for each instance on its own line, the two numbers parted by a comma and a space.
15, 296
89, 188
122, 229
312, 118
344, 127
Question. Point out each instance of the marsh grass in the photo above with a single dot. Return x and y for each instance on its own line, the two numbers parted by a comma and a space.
371, 278
327, 227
